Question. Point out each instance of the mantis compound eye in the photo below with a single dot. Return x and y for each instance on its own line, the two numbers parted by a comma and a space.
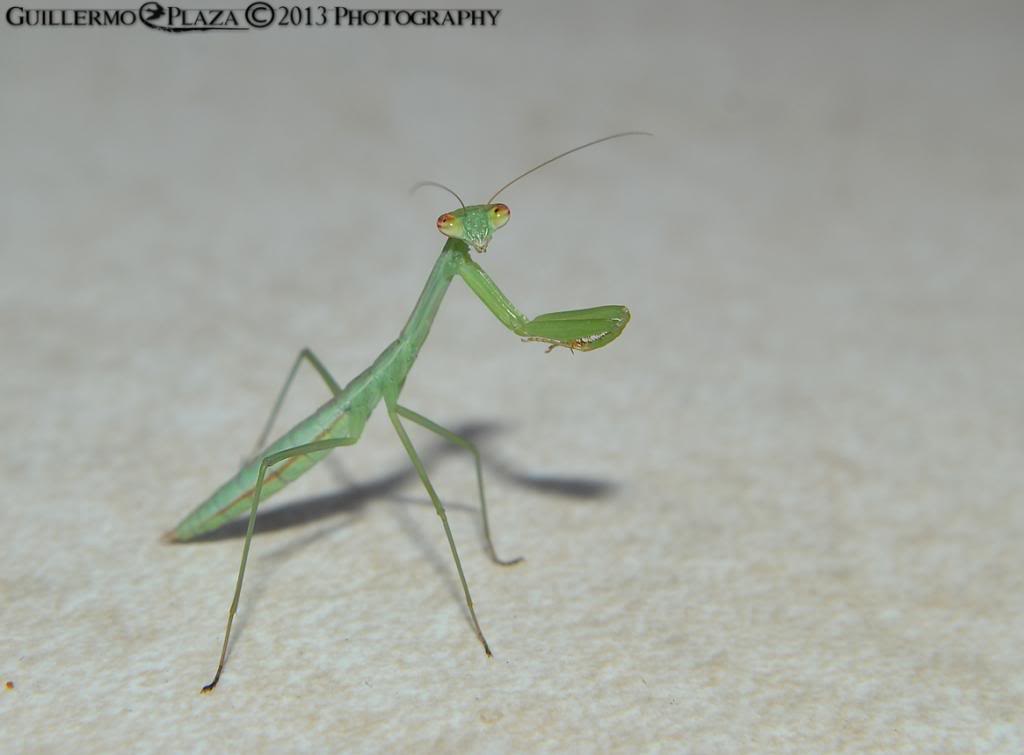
499, 215
450, 224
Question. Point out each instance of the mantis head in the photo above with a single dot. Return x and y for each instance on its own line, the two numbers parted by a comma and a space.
477, 223
474, 224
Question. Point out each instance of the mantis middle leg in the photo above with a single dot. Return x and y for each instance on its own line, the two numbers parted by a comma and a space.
393, 411
422, 421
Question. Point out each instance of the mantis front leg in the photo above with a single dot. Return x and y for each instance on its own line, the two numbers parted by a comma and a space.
576, 329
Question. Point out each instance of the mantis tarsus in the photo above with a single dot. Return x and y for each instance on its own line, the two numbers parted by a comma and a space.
340, 421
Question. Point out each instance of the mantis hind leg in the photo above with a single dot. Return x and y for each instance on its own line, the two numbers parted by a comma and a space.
422, 421
393, 414
317, 365
268, 461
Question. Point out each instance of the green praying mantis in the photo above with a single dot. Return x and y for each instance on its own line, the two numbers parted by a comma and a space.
340, 421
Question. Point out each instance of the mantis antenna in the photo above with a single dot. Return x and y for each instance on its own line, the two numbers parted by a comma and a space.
559, 157
435, 184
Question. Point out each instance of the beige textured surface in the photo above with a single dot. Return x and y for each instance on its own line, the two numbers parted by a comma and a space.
783, 512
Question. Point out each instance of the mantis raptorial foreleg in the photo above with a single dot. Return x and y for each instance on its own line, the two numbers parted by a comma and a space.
393, 411
268, 461
317, 365
422, 421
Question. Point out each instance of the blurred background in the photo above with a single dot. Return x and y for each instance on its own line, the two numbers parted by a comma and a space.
782, 511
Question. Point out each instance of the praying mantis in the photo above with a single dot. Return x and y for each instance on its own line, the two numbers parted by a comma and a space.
340, 421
